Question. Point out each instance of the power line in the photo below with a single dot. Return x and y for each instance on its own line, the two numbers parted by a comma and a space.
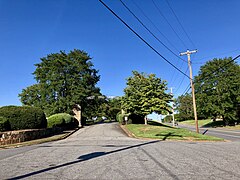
187, 89
155, 26
181, 81
172, 80
214, 56
150, 31
212, 72
143, 39
166, 39
160, 12
219, 68
181, 24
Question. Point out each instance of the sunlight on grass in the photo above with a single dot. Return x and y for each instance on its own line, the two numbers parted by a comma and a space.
200, 122
163, 132
209, 123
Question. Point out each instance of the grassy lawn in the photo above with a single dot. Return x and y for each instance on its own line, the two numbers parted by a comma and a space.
157, 130
237, 127
200, 122
209, 123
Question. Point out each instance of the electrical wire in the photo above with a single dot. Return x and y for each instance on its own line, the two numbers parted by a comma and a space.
166, 39
181, 24
181, 81
151, 31
160, 12
212, 72
186, 90
172, 79
214, 56
143, 39
155, 26
219, 68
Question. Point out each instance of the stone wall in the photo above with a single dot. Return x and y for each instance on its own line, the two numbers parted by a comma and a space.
11, 137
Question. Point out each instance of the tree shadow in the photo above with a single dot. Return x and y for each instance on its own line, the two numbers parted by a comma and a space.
82, 159
214, 124
167, 135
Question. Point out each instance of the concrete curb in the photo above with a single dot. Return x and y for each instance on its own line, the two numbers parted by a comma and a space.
129, 134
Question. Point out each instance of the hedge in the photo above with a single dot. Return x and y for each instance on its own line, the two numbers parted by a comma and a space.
24, 117
62, 120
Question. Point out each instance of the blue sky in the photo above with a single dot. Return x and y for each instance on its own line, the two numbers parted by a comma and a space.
31, 29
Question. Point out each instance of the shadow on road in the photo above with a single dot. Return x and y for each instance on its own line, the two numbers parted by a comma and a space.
167, 135
81, 159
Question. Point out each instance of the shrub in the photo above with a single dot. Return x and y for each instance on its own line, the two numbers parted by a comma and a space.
120, 117
24, 117
62, 120
4, 124
168, 118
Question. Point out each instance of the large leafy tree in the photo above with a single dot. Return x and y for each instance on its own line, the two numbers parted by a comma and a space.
146, 94
63, 79
112, 107
218, 89
184, 107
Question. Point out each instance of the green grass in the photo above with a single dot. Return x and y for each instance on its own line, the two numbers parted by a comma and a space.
209, 123
200, 122
237, 127
156, 130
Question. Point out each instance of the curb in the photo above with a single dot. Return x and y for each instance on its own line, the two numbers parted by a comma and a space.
129, 134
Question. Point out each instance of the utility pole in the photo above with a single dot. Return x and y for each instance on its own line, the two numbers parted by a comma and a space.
188, 53
173, 119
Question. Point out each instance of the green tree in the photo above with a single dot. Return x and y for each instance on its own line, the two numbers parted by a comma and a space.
63, 79
146, 94
184, 107
218, 89
113, 107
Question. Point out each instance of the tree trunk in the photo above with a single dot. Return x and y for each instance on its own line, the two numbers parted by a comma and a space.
224, 121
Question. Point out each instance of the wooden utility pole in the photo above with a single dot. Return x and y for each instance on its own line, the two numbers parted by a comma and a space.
188, 53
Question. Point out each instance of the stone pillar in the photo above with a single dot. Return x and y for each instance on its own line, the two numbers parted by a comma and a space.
77, 113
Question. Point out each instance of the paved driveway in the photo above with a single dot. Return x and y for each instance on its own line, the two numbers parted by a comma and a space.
103, 151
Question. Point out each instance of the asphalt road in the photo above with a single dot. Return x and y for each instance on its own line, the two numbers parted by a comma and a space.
231, 135
103, 151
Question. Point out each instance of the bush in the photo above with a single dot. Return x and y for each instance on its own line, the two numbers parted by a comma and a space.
62, 120
4, 124
168, 118
24, 117
120, 117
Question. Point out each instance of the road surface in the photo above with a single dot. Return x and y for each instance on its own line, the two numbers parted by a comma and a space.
103, 151
227, 134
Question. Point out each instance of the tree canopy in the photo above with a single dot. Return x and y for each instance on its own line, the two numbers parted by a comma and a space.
63, 79
146, 94
184, 106
218, 89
